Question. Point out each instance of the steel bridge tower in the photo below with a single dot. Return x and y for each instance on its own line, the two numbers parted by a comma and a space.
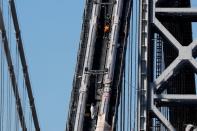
167, 96
164, 94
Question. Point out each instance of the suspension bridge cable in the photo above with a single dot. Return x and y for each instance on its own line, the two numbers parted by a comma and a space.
11, 69
136, 60
9, 84
24, 64
2, 87
17, 78
1, 97
131, 65
131, 85
121, 110
128, 85
124, 102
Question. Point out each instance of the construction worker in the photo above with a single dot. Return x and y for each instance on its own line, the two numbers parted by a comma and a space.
106, 28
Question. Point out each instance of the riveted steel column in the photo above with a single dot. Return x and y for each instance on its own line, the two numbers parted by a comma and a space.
142, 68
87, 65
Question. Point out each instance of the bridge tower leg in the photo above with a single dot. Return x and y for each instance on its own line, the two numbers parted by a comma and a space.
167, 66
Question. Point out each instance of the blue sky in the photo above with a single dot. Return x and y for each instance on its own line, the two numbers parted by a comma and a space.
51, 31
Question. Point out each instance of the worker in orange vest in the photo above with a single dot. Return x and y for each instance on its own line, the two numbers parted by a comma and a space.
106, 28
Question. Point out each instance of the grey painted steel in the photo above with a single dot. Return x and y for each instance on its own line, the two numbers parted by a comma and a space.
167, 34
12, 73
184, 55
176, 98
110, 65
186, 13
24, 65
158, 114
87, 64
142, 68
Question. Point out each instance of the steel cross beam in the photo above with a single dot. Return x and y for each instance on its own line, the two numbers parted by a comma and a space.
176, 98
184, 56
24, 65
186, 13
12, 73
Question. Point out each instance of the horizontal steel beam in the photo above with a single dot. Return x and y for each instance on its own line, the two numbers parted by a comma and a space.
176, 98
184, 13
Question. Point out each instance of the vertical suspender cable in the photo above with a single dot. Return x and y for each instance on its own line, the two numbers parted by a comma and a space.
124, 96
136, 63
9, 83
128, 84
2, 89
17, 78
121, 111
11, 71
131, 67
24, 64
2, 92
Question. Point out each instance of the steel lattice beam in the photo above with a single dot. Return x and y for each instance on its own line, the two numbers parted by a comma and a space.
185, 55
